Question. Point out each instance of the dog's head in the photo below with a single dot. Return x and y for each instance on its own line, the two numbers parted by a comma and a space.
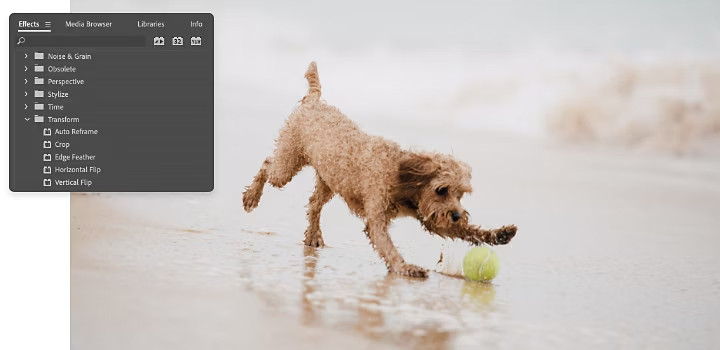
433, 184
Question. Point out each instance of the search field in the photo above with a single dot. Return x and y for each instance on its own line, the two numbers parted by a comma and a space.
79, 41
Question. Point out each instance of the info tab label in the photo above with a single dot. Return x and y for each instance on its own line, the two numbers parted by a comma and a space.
111, 102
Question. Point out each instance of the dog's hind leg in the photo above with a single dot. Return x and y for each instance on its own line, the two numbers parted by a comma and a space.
320, 197
252, 194
278, 170
287, 160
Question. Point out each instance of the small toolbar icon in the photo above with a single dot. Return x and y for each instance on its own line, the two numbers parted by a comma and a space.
159, 41
177, 41
196, 41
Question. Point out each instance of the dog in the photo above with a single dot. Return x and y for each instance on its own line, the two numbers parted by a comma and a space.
378, 180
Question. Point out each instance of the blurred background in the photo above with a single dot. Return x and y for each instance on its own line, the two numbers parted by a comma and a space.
636, 74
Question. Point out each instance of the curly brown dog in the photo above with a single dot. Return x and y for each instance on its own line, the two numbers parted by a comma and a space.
377, 179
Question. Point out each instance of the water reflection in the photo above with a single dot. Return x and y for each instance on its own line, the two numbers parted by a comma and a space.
394, 308
479, 296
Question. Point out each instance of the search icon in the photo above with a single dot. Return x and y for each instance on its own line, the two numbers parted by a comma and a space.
21, 40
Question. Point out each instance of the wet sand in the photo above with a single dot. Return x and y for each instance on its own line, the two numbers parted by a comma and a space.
132, 288
614, 250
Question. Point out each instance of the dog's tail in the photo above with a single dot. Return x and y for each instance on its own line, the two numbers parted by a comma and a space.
313, 79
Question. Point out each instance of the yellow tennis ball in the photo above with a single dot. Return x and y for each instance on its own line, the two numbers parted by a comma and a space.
481, 264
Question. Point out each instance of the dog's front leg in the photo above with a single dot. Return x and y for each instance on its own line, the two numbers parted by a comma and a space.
376, 229
477, 235
473, 234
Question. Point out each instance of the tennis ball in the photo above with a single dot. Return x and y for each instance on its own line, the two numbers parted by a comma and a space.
481, 264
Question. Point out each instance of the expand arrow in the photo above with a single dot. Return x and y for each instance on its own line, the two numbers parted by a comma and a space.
26, 55
26, 106
26, 68
25, 81
25, 93
27, 119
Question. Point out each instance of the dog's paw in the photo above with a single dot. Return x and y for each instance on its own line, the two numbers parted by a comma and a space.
412, 271
251, 199
505, 234
314, 239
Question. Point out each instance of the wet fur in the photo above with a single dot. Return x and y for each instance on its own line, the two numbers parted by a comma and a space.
378, 180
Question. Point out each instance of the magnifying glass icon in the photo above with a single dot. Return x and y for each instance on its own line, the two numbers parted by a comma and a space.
21, 40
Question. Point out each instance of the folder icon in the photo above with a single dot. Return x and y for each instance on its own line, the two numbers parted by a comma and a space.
47, 157
39, 81
39, 106
47, 182
39, 56
39, 93
40, 119
47, 170
47, 144
39, 69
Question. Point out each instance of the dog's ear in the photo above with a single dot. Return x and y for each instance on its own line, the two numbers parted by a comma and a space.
417, 170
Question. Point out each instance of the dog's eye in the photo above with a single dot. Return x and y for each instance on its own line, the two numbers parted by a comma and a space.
442, 191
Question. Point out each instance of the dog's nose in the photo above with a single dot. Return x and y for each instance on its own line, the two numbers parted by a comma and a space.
455, 216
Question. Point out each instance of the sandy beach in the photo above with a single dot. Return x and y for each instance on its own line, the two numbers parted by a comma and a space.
614, 250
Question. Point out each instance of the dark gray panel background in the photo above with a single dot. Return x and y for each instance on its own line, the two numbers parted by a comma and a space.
152, 107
